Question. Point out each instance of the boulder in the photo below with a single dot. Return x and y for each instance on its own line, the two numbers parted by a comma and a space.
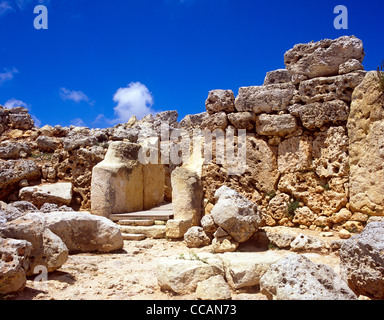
84, 232
297, 278
323, 58
278, 206
362, 261
47, 249
195, 237
58, 193
238, 216
366, 147
14, 262
214, 288
264, 99
220, 100
181, 274
76, 140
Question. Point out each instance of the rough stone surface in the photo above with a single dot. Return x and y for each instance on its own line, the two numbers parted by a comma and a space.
350, 66
277, 76
220, 100
315, 115
295, 154
323, 58
214, 288
298, 278
238, 216
362, 261
268, 99
215, 121
244, 270
271, 125
366, 147
181, 274
330, 153
59, 193
242, 120
118, 182
195, 237
330, 88
14, 262
323, 197
13, 171
47, 249
186, 195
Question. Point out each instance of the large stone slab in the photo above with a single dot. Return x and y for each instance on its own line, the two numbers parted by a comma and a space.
366, 147
84, 232
264, 99
58, 193
322, 58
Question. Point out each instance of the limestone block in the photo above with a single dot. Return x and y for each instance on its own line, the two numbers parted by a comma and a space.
366, 147
186, 195
271, 125
58, 193
322, 58
264, 99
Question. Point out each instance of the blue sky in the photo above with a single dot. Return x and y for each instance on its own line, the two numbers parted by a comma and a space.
101, 61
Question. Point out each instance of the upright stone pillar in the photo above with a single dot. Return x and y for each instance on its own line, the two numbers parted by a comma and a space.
366, 147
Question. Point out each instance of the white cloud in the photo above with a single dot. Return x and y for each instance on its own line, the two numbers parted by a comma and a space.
8, 74
135, 99
78, 122
5, 7
14, 103
76, 96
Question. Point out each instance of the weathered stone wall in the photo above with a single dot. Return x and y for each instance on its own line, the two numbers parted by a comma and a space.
298, 166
